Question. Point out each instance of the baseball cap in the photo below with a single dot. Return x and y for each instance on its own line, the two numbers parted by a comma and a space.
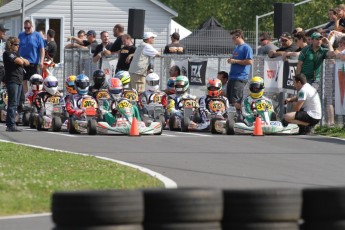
149, 35
2, 27
316, 35
175, 35
91, 32
286, 35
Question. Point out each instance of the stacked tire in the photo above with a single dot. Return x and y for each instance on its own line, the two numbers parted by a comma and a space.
183, 209
324, 208
262, 209
98, 210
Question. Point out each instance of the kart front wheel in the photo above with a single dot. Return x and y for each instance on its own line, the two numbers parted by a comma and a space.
26, 118
39, 123
92, 127
213, 125
71, 128
229, 126
56, 124
184, 124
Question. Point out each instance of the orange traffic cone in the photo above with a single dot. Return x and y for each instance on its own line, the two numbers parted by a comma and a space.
134, 128
257, 127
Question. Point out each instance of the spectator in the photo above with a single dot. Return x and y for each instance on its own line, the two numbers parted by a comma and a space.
14, 69
126, 53
2, 50
141, 61
174, 71
311, 58
339, 29
308, 35
31, 48
241, 60
51, 48
102, 49
307, 111
297, 30
223, 77
175, 47
90, 43
339, 52
118, 31
81, 36
332, 15
301, 42
266, 44
287, 46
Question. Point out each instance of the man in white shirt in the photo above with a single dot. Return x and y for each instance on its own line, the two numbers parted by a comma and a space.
307, 110
141, 61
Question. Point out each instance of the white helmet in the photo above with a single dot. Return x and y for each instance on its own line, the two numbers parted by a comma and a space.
50, 85
152, 82
36, 82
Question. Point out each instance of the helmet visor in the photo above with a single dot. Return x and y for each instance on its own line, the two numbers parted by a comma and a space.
82, 85
255, 87
153, 83
51, 84
115, 91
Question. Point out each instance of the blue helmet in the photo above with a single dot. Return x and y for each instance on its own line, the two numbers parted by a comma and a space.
82, 83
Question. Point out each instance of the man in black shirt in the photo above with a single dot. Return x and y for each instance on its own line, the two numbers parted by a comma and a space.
90, 42
51, 48
118, 31
126, 53
175, 47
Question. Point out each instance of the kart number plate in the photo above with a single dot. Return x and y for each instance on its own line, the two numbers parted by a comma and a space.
88, 103
130, 95
263, 106
54, 100
124, 104
103, 95
157, 98
189, 104
217, 106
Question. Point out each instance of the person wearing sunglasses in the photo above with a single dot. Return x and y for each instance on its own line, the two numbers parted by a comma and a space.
287, 45
266, 44
14, 72
31, 48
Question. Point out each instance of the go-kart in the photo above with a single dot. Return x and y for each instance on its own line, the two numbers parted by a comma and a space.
50, 117
221, 117
124, 120
154, 110
182, 119
87, 122
269, 123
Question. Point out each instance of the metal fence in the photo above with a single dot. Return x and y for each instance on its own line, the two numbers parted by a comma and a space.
80, 61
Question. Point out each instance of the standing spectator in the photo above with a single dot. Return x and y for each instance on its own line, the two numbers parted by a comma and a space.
311, 58
175, 47
241, 60
81, 36
126, 53
308, 35
31, 48
301, 42
118, 31
102, 49
2, 50
14, 69
266, 44
287, 46
338, 52
90, 41
51, 48
339, 28
223, 77
307, 111
141, 61
174, 71
332, 15
297, 30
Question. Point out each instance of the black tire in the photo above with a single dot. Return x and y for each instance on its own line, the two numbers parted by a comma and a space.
162, 120
172, 122
184, 226
334, 225
86, 208
71, 128
323, 204
184, 124
32, 122
262, 226
92, 127
183, 205
56, 124
39, 125
26, 119
106, 227
212, 125
262, 205
274, 116
229, 126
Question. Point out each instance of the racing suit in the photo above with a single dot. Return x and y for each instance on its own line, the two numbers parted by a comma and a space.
73, 105
249, 112
176, 102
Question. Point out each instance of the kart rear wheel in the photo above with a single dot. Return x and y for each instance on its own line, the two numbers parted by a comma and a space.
71, 128
184, 124
172, 122
39, 125
92, 127
56, 124
213, 125
229, 125
32, 122
26, 118
162, 120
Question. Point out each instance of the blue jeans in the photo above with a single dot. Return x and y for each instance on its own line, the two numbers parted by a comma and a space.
14, 92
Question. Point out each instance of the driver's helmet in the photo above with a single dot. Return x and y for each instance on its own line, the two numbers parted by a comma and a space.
98, 77
171, 85
50, 85
181, 84
115, 88
82, 83
214, 87
152, 82
256, 87
36, 82
70, 84
124, 77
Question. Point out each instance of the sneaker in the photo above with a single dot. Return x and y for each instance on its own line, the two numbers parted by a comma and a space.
284, 122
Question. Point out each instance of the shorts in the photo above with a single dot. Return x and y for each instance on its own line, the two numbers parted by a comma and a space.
235, 90
304, 116
30, 70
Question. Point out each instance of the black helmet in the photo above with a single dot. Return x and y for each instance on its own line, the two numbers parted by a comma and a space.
98, 77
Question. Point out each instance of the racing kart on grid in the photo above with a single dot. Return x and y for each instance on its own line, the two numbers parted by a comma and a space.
50, 117
263, 109
181, 120
124, 120
154, 111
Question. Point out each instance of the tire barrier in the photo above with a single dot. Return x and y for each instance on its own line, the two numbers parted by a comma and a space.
200, 209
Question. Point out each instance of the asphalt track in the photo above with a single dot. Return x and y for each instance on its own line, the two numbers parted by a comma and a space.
203, 160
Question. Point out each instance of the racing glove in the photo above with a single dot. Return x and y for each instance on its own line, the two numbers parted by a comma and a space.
79, 112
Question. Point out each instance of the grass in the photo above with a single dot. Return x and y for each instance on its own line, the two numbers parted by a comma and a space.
29, 176
330, 131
